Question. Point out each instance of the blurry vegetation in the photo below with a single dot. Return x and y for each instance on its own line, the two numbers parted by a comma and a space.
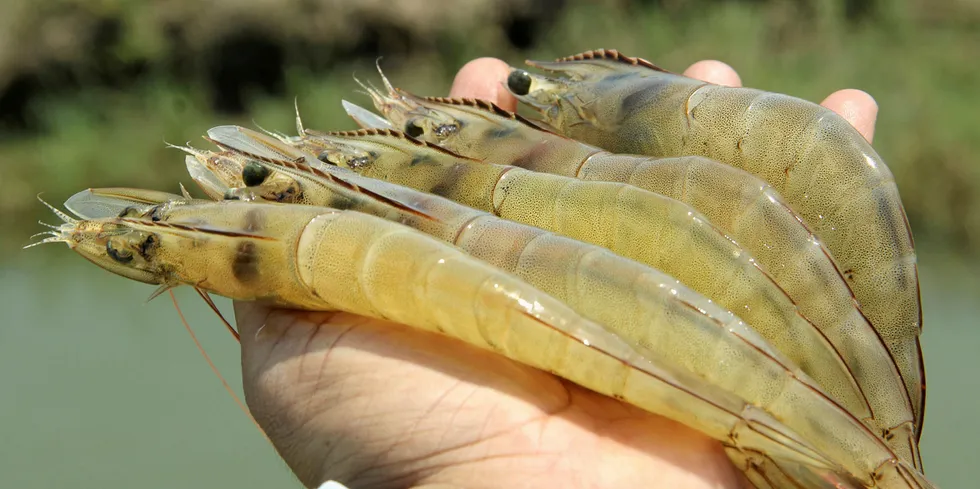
90, 90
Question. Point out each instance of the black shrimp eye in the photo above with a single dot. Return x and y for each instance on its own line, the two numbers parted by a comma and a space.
413, 129
121, 256
519, 82
254, 174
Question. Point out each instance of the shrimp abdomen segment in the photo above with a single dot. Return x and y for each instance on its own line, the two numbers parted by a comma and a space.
670, 236
407, 277
833, 178
759, 220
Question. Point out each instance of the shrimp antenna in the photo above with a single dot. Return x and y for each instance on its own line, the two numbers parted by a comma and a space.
56, 234
64, 217
184, 192
391, 89
159, 290
299, 120
187, 148
207, 299
214, 368
372, 91
277, 135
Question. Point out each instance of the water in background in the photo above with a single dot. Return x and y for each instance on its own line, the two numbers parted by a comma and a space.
102, 390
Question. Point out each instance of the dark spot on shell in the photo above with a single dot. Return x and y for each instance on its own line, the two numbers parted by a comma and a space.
499, 132
419, 158
413, 130
245, 267
231, 195
519, 82
155, 214
450, 182
290, 194
148, 245
121, 256
254, 174
130, 211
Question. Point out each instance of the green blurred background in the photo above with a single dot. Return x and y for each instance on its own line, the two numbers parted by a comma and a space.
98, 389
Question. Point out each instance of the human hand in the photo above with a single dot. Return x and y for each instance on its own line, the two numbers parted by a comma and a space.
375, 404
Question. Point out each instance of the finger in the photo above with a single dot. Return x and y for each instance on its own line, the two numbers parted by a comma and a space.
859, 108
715, 72
483, 78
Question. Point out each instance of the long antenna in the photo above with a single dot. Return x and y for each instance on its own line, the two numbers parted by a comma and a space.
214, 368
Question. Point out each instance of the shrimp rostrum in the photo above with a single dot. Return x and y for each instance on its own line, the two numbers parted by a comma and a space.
318, 258
815, 159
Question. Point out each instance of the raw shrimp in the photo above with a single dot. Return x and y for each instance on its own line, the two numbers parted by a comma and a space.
325, 259
824, 168
742, 205
649, 228
826, 425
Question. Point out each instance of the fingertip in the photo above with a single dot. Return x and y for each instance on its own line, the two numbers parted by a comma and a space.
857, 107
483, 78
713, 71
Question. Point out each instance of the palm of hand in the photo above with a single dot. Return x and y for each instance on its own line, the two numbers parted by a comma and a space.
375, 404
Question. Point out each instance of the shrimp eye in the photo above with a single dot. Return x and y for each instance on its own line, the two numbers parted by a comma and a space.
413, 130
254, 174
519, 82
359, 162
121, 256
446, 130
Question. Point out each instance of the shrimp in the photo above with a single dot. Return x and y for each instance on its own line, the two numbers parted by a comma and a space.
637, 224
324, 259
825, 169
297, 244
742, 205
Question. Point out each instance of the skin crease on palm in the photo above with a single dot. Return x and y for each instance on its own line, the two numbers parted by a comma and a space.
374, 404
